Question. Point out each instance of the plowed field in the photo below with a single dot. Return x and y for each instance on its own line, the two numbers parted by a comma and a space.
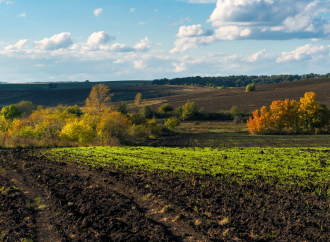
58, 199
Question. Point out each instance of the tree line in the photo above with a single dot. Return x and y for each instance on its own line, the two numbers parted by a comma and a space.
236, 81
291, 117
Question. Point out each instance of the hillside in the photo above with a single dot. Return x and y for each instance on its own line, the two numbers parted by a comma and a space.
224, 99
53, 97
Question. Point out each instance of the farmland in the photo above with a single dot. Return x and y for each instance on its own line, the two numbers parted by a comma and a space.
71, 96
166, 194
224, 99
203, 180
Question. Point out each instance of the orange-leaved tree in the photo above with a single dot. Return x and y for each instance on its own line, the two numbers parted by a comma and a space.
290, 116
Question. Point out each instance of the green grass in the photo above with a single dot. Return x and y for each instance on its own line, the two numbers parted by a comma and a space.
298, 166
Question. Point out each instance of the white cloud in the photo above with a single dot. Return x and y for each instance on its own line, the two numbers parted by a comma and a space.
120, 48
22, 15
98, 40
6, 2
58, 41
193, 30
179, 67
258, 19
141, 23
132, 10
16, 46
304, 53
144, 45
98, 11
138, 64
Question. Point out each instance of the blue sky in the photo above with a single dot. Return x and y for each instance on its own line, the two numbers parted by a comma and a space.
127, 39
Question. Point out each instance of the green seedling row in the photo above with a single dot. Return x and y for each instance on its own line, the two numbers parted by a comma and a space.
300, 166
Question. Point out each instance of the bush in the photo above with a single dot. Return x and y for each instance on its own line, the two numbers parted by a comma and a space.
189, 111
77, 131
234, 111
146, 112
153, 127
122, 108
112, 125
250, 87
25, 107
10, 112
165, 108
74, 110
171, 123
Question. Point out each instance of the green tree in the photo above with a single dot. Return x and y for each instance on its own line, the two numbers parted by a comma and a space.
10, 112
122, 108
189, 111
74, 110
234, 111
173, 122
165, 108
146, 112
25, 107
250, 87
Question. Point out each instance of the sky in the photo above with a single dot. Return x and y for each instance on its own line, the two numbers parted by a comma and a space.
110, 40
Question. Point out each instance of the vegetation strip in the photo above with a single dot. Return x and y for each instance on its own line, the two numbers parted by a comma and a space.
296, 166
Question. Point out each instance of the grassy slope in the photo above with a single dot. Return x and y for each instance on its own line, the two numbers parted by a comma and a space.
289, 165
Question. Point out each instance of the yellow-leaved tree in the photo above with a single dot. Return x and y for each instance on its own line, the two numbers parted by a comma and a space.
112, 125
99, 99
77, 131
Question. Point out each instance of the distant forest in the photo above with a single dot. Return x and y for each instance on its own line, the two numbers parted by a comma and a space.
236, 81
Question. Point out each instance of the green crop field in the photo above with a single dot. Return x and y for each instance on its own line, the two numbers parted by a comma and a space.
295, 166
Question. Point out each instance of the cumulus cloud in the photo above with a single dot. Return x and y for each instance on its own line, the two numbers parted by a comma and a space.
121, 48
193, 30
258, 19
132, 10
16, 46
138, 64
98, 11
144, 45
22, 15
98, 40
58, 41
304, 53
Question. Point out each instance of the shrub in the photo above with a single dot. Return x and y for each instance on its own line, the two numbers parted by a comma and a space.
74, 110
189, 111
171, 123
165, 108
112, 124
153, 127
250, 87
10, 112
77, 131
234, 111
138, 98
25, 107
122, 108
146, 112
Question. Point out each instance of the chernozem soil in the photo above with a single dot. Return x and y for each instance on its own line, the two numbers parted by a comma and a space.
86, 204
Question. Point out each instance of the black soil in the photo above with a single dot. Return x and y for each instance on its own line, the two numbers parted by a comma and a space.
100, 205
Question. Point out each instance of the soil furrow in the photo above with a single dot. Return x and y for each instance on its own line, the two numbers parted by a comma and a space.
44, 226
